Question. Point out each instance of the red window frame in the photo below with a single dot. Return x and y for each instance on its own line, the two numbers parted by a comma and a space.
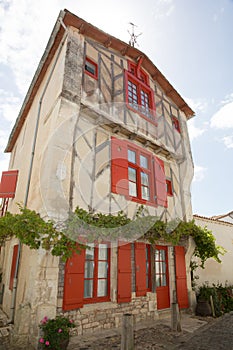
138, 89
139, 170
120, 181
95, 298
176, 123
93, 63
169, 187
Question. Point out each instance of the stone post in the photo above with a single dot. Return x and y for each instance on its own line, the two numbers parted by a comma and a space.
127, 332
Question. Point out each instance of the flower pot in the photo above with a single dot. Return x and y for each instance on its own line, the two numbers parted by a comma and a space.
64, 344
203, 308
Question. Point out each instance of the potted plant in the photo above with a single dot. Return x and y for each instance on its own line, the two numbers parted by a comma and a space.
55, 332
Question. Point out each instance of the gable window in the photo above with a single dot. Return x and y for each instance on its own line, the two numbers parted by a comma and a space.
91, 68
97, 273
137, 174
176, 123
139, 95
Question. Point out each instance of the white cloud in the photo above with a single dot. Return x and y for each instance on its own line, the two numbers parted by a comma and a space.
223, 118
199, 173
228, 141
4, 163
23, 36
197, 104
163, 8
194, 131
9, 106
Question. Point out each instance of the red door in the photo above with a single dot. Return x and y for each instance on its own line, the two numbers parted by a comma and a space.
162, 277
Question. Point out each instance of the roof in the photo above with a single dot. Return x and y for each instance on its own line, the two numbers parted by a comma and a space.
88, 30
218, 217
213, 219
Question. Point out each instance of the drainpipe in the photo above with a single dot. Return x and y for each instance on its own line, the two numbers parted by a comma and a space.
15, 282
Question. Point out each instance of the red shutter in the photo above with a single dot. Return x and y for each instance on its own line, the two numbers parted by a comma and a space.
8, 183
119, 167
181, 278
124, 273
13, 265
160, 182
140, 268
74, 281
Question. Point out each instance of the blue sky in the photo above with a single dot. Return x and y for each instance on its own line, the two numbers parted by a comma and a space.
190, 41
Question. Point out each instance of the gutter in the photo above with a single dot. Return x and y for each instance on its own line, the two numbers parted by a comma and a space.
15, 282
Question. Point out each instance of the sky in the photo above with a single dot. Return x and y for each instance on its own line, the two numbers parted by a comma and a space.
190, 41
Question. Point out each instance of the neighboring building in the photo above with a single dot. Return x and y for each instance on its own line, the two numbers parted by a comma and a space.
100, 128
215, 272
225, 217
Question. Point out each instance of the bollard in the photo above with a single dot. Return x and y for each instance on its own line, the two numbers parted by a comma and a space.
127, 332
175, 318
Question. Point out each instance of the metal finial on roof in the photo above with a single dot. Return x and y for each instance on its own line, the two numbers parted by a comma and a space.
133, 37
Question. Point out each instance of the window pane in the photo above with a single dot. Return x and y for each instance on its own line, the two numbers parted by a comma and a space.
102, 269
163, 267
102, 288
156, 254
144, 179
132, 174
90, 67
157, 267
90, 252
163, 281
131, 156
89, 269
145, 193
162, 255
88, 288
132, 189
143, 162
157, 281
103, 252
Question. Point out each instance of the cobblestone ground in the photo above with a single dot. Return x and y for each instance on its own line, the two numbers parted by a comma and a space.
216, 335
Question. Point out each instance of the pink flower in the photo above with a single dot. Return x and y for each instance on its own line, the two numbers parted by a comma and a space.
71, 321
47, 343
59, 330
45, 319
41, 340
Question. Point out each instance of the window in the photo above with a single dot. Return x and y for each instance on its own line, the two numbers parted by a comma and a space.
97, 273
161, 268
91, 68
169, 187
139, 95
176, 123
137, 174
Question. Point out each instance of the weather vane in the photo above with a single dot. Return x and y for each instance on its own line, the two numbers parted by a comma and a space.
133, 37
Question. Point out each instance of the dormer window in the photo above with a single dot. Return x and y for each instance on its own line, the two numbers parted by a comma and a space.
139, 95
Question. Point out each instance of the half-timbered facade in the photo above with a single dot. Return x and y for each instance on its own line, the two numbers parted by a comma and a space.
100, 128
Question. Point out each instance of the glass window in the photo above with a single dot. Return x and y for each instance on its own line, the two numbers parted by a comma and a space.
97, 274
131, 156
143, 161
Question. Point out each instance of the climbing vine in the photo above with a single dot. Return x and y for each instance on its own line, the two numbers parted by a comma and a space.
61, 239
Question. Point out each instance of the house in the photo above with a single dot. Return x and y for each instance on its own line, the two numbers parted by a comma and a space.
100, 128
222, 228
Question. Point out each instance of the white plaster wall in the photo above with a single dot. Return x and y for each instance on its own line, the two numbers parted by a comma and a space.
213, 271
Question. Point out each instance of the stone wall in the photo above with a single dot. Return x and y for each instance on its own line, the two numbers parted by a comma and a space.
108, 315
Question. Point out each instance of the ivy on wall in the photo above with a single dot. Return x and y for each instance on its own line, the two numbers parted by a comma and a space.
61, 240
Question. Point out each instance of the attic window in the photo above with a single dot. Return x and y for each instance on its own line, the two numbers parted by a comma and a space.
91, 68
176, 123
